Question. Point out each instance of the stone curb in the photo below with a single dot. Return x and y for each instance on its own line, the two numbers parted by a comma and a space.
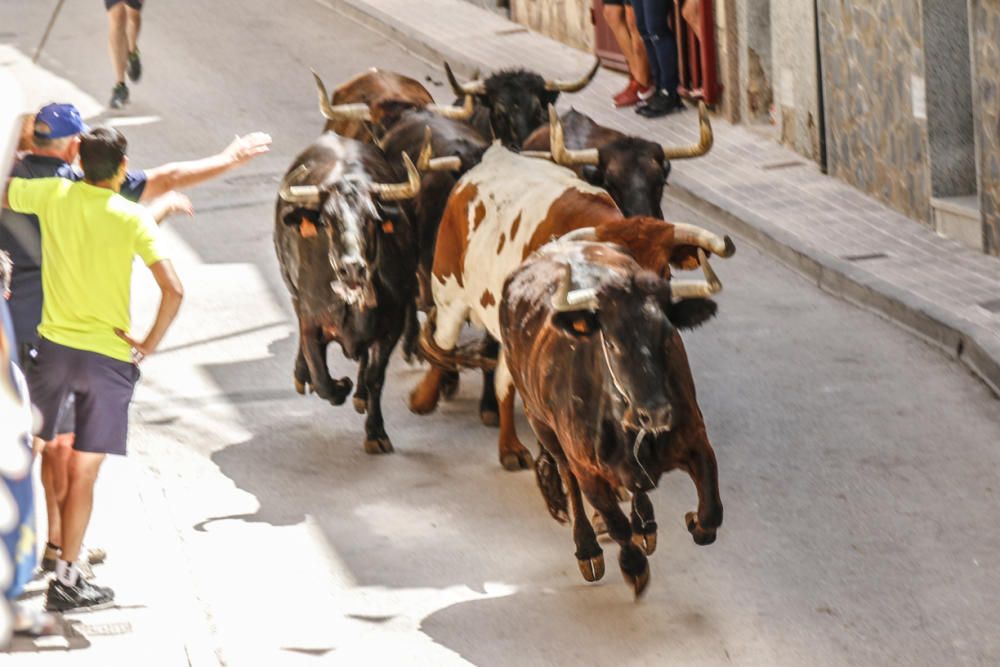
974, 346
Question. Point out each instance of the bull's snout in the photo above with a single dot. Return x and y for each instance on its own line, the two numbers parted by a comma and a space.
353, 273
647, 418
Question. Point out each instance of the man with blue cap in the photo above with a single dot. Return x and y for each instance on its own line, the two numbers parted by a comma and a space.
56, 145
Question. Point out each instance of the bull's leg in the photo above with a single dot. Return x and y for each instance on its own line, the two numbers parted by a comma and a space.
314, 352
632, 560
376, 439
489, 411
301, 373
547, 472
361, 391
411, 335
589, 555
643, 522
513, 455
705, 473
425, 396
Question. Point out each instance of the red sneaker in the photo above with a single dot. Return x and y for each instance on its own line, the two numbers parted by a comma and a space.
632, 94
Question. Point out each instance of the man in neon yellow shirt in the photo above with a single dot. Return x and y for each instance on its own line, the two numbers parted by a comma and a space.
90, 236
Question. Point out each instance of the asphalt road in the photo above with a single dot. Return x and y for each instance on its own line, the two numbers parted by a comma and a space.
859, 467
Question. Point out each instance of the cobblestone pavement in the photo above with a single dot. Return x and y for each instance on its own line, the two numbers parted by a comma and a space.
846, 241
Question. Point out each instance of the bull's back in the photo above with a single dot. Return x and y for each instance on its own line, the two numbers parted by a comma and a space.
498, 214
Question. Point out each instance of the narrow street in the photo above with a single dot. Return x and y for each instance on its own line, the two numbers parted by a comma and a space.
859, 467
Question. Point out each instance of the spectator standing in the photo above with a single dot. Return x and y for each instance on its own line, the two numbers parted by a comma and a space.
56, 142
652, 18
124, 23
620, 17
90, 236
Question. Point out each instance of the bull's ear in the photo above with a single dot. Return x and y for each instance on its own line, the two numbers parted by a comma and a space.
691, 313
391, 215
295, 216
549, 97
576, 323
592, 174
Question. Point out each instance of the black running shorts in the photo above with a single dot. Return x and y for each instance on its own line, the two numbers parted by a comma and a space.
102, 388
134, 4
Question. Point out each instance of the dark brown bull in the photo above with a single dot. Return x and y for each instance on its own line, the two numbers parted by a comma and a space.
345, 251
373, 101
510, 104
591, 341
632, 170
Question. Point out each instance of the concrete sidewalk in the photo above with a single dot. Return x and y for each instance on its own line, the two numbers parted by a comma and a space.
848, 242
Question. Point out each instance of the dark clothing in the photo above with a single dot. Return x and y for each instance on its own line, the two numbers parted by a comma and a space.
102, 387
617, 3
134, 4
661, 44
21, 237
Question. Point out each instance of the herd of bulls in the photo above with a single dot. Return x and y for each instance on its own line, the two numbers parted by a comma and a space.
548, 233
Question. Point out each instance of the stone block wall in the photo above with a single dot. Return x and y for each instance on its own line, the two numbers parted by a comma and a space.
985, 19
565, 20
873, 82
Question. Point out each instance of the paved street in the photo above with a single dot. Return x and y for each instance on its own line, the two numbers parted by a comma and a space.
859, 467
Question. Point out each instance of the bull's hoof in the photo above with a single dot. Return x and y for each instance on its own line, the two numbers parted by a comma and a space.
489, 418
300, 387
379, 445
339, 392
592, 569
518, 459
646, 542
449, 385
638, 582
360, 405
701, 536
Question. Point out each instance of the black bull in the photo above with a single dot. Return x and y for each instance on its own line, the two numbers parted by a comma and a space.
346, 254
608, 391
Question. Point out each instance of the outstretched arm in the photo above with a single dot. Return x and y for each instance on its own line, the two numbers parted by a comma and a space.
170, 302
180, 175
169, 204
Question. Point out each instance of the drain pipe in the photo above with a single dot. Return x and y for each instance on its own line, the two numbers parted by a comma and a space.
821, 108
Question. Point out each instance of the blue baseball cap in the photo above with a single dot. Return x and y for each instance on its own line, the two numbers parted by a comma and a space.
55, 121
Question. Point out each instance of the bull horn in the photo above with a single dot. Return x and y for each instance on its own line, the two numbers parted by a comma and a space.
686, 234
339, 111
697, 289
579, 84
557, 144
566, 300
300, 195
474, 87
705, 139
582, 234
397, 191
427, 162
463, 112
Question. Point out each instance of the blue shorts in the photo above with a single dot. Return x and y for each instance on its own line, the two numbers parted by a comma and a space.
134, 4
101, 386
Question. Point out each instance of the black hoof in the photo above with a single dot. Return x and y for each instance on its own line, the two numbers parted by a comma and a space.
379, 445
645, 541
592, 569
638, 582
702, 536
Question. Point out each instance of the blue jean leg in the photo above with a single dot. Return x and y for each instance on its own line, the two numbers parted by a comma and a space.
661, 44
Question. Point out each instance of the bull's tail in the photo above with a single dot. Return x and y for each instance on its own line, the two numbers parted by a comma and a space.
550, 484
467, 356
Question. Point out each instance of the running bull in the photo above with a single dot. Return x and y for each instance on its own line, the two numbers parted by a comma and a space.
345, 249
498, 214
591, 342
510, 104
632, 170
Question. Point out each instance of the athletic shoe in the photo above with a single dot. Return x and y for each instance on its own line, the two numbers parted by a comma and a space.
119, 96
134, 68
84, 596
632, 94
95, 556
660, 104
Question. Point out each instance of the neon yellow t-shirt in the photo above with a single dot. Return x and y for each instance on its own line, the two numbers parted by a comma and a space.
90, 236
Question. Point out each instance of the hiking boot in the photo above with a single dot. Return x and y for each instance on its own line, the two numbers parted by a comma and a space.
119, 96
134, 68
84, 596
632, 94
660, 104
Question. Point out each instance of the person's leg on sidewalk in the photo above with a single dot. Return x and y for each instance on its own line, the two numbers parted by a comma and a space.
132, 27
118, 45
661, 45
55, 471
640, 70
615, 16
83, 470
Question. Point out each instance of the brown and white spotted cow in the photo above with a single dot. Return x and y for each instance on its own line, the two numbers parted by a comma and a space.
499, 213
591, 340
373, 101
